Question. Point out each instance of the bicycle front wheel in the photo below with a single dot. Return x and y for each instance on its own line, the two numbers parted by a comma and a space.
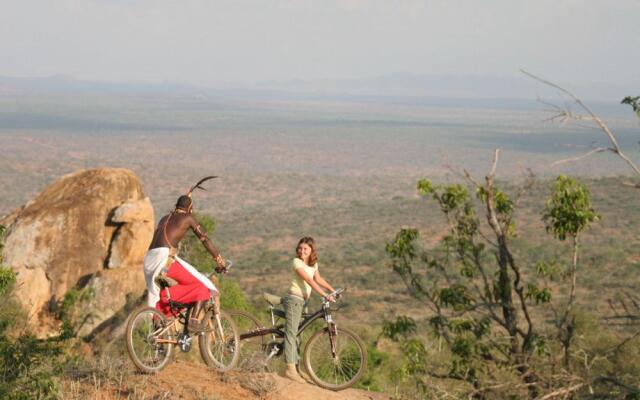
149, 340
220, 344
335, 361
250, 347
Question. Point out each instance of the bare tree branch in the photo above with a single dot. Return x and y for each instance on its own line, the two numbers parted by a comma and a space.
616, 382
572, 159
620, 345
565, 113
496, 155
562, 392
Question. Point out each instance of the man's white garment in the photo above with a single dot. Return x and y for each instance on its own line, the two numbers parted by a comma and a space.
154, 261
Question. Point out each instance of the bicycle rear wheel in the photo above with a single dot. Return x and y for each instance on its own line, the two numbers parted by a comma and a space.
148, 338
220, 344
252, 347
342, 370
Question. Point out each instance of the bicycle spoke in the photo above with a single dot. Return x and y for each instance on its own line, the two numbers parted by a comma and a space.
217, 352
149, 341
253, 350
342, 370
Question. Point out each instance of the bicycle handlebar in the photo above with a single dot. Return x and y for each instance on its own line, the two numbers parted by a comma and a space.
227, 265
336, 293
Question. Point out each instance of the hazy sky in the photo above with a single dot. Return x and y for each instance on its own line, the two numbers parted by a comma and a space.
213, 42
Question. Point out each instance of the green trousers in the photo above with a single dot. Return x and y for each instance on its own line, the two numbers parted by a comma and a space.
293, 306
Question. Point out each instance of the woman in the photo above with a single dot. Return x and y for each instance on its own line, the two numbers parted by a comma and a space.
305, 277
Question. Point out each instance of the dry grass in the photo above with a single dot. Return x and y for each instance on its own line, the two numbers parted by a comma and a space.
254, 375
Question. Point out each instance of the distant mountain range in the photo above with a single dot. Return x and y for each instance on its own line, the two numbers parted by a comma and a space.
402, 88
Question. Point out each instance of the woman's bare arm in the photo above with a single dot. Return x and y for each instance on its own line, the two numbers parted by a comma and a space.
322, 282
303, 274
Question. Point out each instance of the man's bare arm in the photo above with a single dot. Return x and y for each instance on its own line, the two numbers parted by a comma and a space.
206, 242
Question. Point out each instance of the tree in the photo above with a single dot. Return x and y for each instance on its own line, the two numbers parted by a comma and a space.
565, 113
473, 285
567, 213
480, 299
634, 102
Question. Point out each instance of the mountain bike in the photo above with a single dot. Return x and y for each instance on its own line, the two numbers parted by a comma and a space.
151, 336
334, 357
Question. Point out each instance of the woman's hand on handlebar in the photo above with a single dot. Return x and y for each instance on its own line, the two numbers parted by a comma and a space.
333, 296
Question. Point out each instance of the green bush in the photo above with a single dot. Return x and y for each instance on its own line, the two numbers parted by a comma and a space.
191, 248
72, 310
232, 296
28, 366
7, 279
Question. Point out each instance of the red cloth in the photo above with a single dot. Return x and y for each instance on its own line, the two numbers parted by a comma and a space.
188, 290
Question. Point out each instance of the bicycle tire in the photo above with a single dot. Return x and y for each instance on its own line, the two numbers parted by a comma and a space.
246, 322
222, 356
147, 356
341, 372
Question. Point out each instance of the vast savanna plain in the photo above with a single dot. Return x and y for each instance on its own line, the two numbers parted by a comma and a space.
343, 170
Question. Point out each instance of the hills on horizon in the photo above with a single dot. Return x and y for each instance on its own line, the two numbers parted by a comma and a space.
400, 88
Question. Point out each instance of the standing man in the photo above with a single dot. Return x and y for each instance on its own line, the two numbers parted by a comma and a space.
192, 286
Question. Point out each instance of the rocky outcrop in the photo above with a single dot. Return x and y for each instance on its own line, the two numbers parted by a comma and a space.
135, 220
87, 229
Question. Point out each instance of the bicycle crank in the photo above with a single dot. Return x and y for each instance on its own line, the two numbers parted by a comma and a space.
274, 349
184, 341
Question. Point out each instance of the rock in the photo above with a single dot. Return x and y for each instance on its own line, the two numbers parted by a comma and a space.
109, 294
136, 219
72, 231
37, 296
134, 211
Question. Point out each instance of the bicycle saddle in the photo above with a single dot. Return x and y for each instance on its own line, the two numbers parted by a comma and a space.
164, 281
272, 299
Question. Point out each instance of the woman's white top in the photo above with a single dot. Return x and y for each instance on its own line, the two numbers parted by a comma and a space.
299, 287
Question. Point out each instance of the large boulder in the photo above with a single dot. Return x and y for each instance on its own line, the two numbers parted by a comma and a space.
73, 234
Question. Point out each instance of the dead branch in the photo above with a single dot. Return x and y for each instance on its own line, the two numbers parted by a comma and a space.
616, 382
491, 213
572, 159
633, 300
620, 345
566, 114
624, 306
496, 154
562, 392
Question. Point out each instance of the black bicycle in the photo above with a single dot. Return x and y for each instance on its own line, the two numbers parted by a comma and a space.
334, 356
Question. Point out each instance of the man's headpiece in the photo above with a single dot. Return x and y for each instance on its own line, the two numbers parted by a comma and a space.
197, 185
185, 202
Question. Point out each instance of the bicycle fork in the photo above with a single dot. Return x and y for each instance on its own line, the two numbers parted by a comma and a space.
333, 335
216, 314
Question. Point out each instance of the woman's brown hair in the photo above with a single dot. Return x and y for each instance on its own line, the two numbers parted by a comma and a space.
313, 257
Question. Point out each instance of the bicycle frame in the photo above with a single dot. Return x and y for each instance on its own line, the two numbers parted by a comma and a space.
183, 317
277, 330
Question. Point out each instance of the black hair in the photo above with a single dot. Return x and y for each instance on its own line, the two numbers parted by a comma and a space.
184, 202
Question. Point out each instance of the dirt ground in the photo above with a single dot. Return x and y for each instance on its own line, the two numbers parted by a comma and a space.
191, 381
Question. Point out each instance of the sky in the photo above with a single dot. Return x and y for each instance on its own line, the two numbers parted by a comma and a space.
220, 42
